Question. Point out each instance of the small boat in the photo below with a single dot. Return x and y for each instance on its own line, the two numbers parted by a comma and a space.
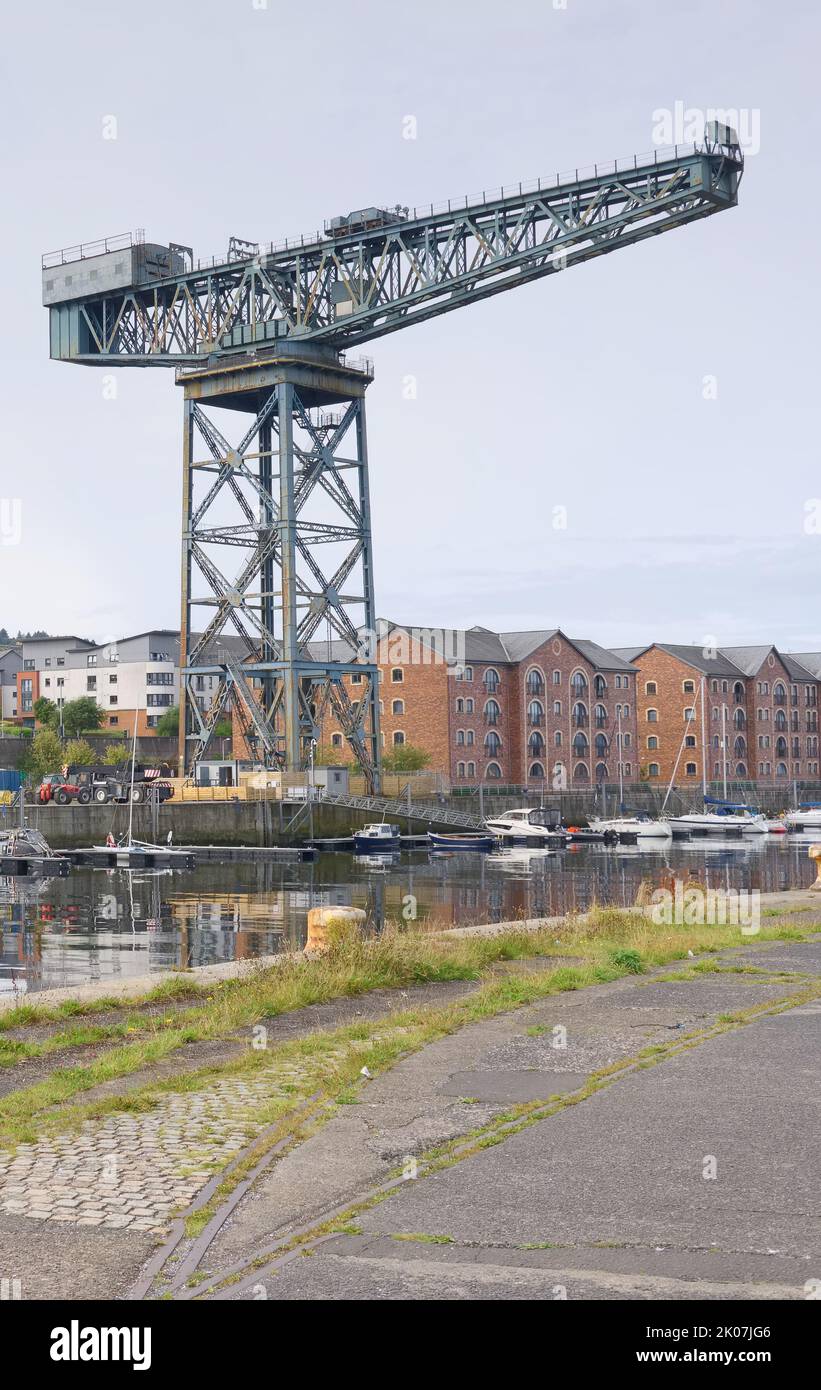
526, 826
640, 826
807, 817
377, 836
591, 835
776, 827
726, 818
465, 840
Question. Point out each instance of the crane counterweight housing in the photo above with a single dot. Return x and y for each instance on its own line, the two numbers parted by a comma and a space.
264, 332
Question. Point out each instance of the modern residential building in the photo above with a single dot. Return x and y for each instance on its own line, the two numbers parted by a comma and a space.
133, 675
11, 662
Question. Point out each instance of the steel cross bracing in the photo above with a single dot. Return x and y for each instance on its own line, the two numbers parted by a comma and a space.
348, 289
277, 623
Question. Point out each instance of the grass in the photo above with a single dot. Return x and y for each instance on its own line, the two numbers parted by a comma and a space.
610, 942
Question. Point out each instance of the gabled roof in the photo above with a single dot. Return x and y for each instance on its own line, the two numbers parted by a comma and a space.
802, 664
749, 659
600, 657
718, 665
630, 653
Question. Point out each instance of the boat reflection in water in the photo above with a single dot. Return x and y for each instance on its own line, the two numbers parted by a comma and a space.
113, 923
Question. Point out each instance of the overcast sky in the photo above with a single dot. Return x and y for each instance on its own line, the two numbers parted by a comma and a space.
685, 516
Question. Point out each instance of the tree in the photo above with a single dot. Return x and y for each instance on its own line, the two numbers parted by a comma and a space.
168, 724
405, 757
223, 729
78, 752
45, 754
113, 755
46, 713
333, 756
81, 715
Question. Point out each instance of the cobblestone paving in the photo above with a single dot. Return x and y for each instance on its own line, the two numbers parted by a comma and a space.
133, 1171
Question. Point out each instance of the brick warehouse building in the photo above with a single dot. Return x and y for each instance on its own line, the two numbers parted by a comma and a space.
769, 733
515, 708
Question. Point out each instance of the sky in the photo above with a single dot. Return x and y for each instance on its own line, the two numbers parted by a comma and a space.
688, 518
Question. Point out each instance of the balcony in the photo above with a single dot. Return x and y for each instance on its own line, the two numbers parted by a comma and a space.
536, 721
535, 689
601, 721
580, 721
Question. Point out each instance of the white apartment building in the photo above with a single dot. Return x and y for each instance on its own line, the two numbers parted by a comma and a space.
136, 675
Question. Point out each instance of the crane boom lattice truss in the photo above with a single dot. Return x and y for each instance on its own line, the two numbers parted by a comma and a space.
264, 333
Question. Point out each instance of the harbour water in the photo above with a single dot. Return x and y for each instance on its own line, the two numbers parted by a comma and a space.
100, 924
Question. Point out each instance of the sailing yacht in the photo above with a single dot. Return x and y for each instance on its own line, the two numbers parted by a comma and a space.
639, 823
726, 817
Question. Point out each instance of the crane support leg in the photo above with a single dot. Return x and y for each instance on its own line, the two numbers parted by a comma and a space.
283, 634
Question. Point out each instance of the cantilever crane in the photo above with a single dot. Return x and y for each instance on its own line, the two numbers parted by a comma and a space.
263, 332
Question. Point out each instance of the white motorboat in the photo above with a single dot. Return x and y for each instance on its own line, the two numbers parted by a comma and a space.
807, 817
726, 819
379, 836
526, 826
643, 827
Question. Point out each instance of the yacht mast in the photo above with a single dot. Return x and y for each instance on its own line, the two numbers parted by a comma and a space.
703, 746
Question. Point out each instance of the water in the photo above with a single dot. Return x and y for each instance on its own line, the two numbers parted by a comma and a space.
103, 924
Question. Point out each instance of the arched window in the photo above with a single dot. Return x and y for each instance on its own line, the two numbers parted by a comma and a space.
581, 773
740, 746
397, 707
580, 714
779, 693
601, 772
535, 712
398, 738
492, 712
492, 742
781, 748
690, 769
557, 707
469, 706
652, 716
781, 770
601, 746
780, 719
653, 770
741, 769
493, 772
460, 769
460, 736
537, 772
535, 744
534, 682
739, 719
580, 745
470, 738
460, 706
652, 743
599, 686
600, 715
738, 693
471, 769
491, 680
578, 682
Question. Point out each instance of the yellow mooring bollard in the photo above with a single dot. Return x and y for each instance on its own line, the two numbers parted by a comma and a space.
814, 852
329, 924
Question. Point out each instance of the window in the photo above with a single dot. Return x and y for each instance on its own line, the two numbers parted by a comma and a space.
397, 707
336, 740
534, 682
112, 699
579, 682
652, 716
491, 679
652, 743
557, 739
460, 737
492, 712
689, 714
47, 680
460, 769
61, 661
112, 680
356, 678
398, 738
688, 687
535, 744
690, 741
91, 659
690, 769
600, 686
469, 705
471, 769
28, 664
535, 712
460, 706
493, 771
47, 661
557, 677
397, 674
653, 770
557, 707
650, 688
61, 680
470, 738
492, 742
91, 682
114, 720
537, 772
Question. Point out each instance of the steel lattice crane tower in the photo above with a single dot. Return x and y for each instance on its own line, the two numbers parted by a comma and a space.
263, 334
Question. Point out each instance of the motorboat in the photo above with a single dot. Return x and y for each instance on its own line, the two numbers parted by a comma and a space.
527, 825
378, 836
777, 826
640, 826
807, 817
465, 840
725, 819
